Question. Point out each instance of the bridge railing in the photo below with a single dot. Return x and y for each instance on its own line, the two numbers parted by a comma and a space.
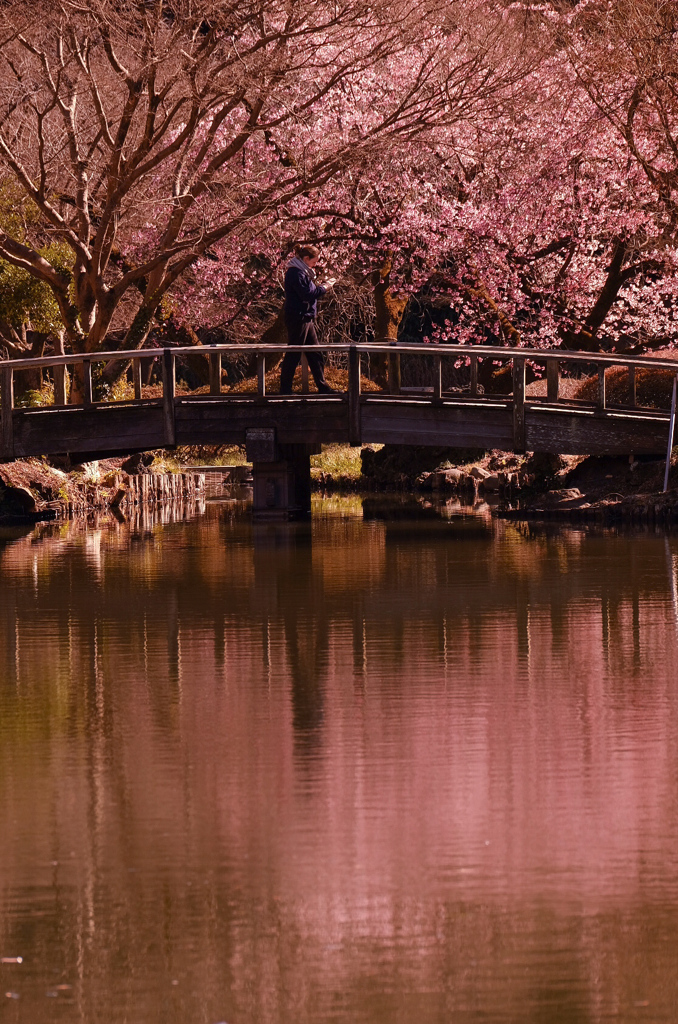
550, 359
517, 400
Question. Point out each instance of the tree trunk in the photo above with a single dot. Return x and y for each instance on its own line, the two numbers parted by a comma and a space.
586, 339
388, 314
31, 380
275, 334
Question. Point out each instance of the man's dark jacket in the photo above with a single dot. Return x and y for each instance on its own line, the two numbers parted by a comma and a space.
301, 294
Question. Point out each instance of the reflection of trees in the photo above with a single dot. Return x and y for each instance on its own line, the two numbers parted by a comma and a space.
384, 578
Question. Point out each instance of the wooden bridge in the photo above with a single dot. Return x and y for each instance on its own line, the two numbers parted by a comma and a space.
280, 428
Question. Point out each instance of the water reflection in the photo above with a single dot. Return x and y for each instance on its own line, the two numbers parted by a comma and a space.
284, 573
370, 768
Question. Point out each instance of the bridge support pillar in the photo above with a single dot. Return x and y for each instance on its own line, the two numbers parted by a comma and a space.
282, 487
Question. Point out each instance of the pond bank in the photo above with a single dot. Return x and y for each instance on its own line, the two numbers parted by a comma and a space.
32, 490
516, 486
532, 486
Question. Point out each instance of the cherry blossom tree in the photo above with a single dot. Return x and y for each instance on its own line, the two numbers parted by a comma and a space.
511, 166
531, 222
617, 64
544, 227
157, 139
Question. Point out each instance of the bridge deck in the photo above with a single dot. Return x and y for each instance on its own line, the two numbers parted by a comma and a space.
509, 423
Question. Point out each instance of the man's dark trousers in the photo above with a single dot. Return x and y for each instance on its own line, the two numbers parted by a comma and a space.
302, 332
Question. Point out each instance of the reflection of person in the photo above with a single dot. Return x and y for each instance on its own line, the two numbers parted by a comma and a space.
301, 308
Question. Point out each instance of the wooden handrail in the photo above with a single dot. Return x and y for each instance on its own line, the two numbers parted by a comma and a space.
450, 351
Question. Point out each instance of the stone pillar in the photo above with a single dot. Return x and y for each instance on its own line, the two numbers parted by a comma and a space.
298, 458
281, 476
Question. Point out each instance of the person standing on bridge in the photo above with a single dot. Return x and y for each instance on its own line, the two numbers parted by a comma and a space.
301, 309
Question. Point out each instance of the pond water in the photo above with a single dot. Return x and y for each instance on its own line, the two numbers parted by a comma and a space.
388, 766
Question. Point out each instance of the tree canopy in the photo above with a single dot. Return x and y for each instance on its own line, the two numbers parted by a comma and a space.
515, 161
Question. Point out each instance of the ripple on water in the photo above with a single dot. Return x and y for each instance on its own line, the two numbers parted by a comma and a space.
355, 770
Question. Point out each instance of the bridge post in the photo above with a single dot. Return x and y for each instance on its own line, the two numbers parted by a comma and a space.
136, 378
281, 475
552, 379
518, 404
602, 399
60, 384
474, 376
298, 459
394, 377
215, 373
672, 427
354, 424
87, 383
261, 374
7, 399
438, 379
168, 388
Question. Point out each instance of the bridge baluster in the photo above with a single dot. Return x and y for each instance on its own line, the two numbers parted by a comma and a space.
602, 401
7, 399
632, 386
168, 391
261, 375
86, 383
518, 404
394, 377
60, 384
474, 376
215, 373
672, 428
136, 377
354, 425
552, 379
438, 379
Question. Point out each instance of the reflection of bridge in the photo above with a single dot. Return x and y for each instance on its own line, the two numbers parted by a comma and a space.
281, 431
